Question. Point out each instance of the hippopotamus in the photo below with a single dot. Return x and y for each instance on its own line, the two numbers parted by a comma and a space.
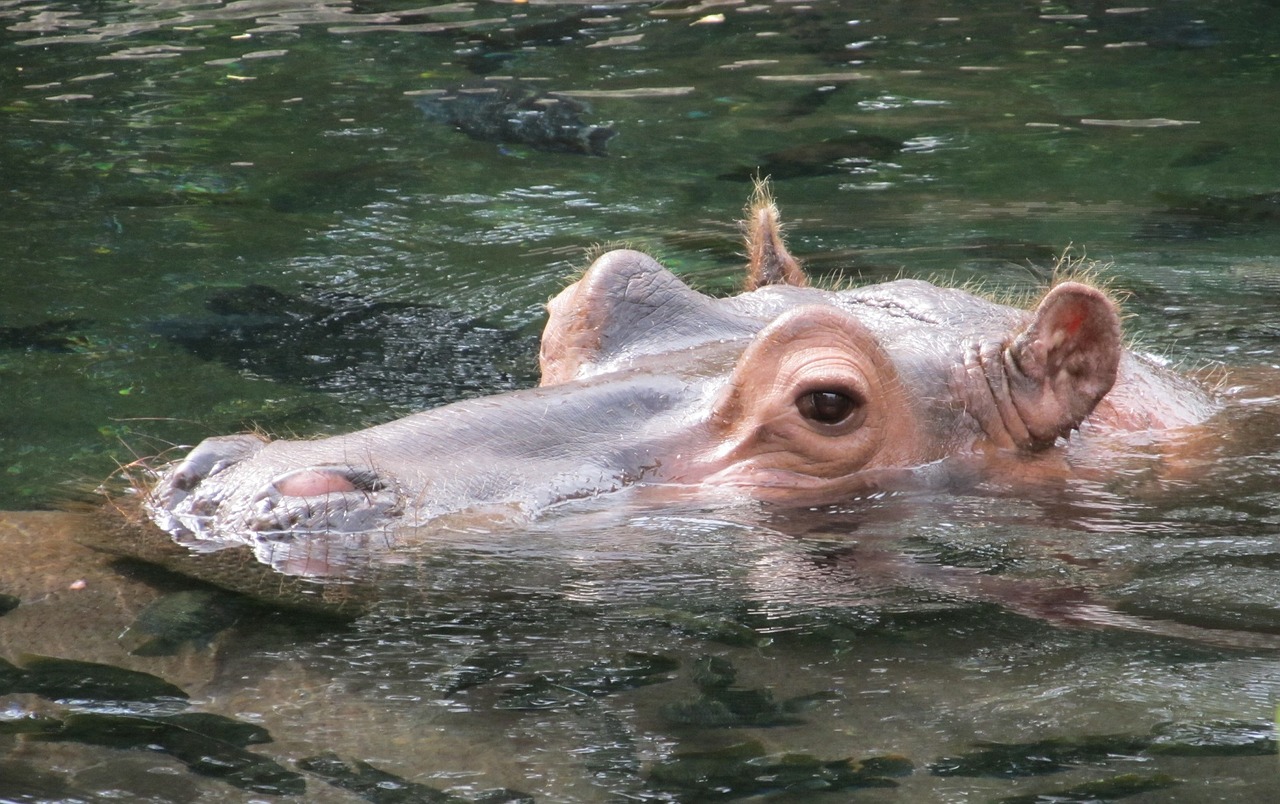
783, 393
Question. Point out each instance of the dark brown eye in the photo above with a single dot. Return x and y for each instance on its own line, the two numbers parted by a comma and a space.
828, 407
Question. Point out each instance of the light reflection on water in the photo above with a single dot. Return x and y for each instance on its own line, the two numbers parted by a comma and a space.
161, 157
568, 657
271, 17
787, 616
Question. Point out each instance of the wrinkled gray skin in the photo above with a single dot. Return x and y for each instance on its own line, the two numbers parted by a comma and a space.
647, 381
525, 451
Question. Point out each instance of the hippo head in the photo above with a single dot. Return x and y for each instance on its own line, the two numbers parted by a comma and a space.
829, 389
782, 392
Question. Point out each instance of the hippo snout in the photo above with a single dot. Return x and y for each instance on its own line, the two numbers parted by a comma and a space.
206, 491
344, 499
213, 455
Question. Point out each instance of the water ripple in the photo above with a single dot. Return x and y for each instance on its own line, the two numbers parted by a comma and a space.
270, 15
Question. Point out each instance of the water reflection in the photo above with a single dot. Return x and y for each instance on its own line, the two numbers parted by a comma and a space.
270, 16
408, 355
163, 158
613, 651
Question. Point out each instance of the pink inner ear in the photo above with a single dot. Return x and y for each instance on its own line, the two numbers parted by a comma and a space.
1080, 329
313, 482
1073, 321
1064, 363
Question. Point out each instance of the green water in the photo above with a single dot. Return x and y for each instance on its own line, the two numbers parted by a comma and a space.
154, 156
159, 155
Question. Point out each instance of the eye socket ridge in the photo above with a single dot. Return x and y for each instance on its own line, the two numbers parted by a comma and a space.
832, 405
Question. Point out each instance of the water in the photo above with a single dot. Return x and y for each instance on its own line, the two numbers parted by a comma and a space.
158, 158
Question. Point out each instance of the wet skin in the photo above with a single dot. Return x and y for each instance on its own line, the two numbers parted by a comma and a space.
784, 392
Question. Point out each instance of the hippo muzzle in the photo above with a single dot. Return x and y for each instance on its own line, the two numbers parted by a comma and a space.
520, 452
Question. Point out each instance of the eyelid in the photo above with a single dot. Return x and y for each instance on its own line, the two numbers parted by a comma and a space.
849, 386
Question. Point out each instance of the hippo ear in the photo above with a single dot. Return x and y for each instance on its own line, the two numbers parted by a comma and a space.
626, 305
769, 262
1064, 363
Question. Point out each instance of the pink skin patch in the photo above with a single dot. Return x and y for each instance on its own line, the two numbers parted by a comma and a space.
1072, 324
312, 483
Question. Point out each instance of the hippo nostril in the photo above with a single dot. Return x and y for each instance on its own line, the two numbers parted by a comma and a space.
313, 482
365, 479
184, 480
334, 498
317, 481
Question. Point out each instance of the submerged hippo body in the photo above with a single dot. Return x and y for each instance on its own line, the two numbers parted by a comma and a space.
784, 392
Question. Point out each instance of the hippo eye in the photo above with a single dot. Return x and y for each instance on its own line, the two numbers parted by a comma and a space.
828, 407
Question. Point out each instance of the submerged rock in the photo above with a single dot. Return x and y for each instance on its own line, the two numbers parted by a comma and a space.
479, 668
402, 353
236, 732
1214, 739
208, 744
380, 787
745, 769
187, 616
47, 336
723, 705
822, 158
492, 49
1126, 784
710, 626
187, 741
1196, 217
518, 115
71, 680
610, 674
1013, 760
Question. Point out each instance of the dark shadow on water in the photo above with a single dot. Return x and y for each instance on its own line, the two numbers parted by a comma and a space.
405, 354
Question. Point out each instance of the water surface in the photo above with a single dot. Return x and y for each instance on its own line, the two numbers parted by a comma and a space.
227, 215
